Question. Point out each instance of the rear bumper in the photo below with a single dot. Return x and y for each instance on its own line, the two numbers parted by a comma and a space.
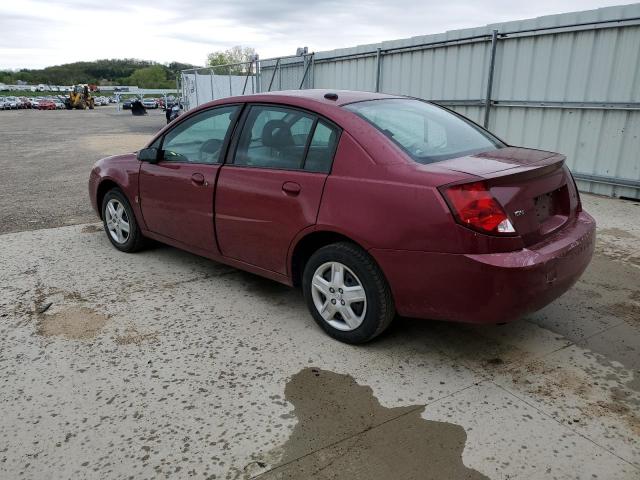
488, 288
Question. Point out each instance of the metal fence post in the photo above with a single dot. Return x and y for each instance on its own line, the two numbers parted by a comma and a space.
195, 85
213, 96
258, 77
378, 67
306, 70
312, 77
273, 76
246, 78
492, 64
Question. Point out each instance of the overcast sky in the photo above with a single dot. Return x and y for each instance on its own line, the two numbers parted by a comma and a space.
38, 33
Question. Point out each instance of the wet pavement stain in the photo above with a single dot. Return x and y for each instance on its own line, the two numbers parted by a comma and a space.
344, 432
74, 323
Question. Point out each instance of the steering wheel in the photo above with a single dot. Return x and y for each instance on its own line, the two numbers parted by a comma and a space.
210, 150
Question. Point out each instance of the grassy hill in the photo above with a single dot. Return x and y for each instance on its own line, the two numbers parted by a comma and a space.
126, 71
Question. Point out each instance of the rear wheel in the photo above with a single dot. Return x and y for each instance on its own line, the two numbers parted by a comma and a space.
347, 293
120, 223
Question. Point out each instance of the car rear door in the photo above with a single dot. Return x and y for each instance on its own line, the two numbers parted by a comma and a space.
176, 193
271, 187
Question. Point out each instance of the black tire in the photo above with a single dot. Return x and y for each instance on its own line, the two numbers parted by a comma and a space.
134, 241
380, 310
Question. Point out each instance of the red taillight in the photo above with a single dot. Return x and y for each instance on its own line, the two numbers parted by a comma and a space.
474, 207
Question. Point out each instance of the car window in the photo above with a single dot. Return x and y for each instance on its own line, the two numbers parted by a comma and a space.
322, 148
200, 138
426, 132
274, 137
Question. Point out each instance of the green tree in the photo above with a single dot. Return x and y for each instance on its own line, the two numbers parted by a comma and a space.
107, 71
237, 54
151, 77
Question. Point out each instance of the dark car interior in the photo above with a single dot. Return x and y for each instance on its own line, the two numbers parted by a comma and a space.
281, 143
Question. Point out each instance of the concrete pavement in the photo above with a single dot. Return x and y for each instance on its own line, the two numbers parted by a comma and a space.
164, 364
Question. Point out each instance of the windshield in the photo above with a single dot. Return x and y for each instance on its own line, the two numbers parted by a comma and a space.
426, 132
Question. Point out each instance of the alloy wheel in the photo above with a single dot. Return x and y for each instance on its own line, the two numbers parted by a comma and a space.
339, 296
117, 221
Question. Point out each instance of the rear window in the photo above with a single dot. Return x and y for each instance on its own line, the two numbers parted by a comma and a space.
426, 132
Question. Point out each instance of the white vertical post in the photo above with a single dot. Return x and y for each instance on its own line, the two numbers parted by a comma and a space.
378, 68
213, 97
492, 64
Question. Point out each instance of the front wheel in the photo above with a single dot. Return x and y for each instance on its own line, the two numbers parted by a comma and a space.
347, 293
120, 223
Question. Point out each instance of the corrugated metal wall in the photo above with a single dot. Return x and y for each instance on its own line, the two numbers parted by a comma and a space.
203, 86
567, 83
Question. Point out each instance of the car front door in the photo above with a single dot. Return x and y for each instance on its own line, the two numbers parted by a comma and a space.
270, 189
176, 193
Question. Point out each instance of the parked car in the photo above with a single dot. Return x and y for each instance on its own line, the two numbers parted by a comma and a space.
374, 204
46, 104
150, 103
59, 104
126, 105
10, 103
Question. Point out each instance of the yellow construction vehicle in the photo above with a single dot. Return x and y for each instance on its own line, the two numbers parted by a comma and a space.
80, 98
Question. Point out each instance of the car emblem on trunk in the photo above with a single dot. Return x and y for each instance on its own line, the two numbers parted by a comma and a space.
518, 213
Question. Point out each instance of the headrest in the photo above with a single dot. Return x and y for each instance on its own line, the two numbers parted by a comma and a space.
277, 134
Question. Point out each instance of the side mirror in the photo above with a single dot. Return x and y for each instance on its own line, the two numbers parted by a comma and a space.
148, 155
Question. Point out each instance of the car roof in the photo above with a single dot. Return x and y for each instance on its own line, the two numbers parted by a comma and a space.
314, 94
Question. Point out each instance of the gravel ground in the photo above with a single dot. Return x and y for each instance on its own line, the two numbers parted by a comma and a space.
166, 365
46, 156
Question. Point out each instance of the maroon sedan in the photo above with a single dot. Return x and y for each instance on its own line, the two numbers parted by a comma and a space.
374, 204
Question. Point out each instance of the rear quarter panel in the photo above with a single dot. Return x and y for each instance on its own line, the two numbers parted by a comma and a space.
395, 205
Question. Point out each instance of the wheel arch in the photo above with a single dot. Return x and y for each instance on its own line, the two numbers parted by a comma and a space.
103, 187
310, 242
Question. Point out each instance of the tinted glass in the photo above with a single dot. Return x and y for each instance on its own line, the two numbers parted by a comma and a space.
200, 138
426, 132
274, 137
322, 148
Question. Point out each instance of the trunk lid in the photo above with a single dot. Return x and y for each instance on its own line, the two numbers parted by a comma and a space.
534, 187
495, 161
